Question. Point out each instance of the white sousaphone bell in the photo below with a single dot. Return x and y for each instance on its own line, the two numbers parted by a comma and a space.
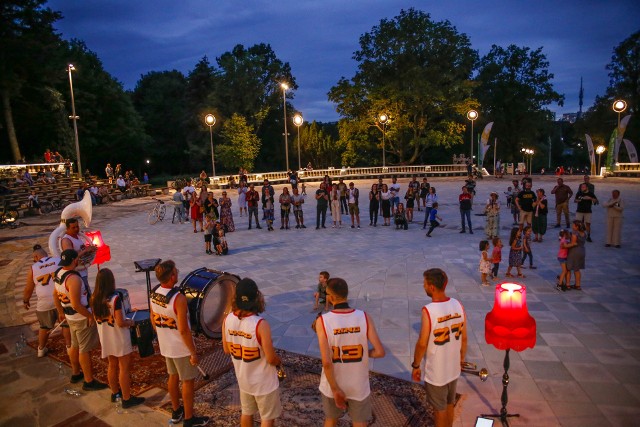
83, 209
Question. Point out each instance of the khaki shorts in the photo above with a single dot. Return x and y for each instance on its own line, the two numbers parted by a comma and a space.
526, 217
441, 396
83, 337
47, 319
267, 405
181, 366
583, 217
354, 209
359, 411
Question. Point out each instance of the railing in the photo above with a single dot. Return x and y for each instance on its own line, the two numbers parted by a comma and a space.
32, 168
635, 167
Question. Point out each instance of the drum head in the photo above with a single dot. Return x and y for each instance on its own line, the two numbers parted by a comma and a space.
216, 301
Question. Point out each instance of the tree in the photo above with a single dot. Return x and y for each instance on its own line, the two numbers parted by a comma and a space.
514, 88
241, 145
418, 72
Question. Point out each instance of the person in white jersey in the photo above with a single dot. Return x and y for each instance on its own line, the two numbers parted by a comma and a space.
73, 240
344, 335
71, 295
443, 338
40, 279
115, 337
170, 319
247, 338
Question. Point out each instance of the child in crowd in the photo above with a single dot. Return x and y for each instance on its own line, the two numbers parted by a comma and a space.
321, 292
400, 217
563, 279
514, 207
496, 256
433, 214
209, 226
219, 240
485, 262
508, 196
268, 213
515, 252
33, 201
304, 189
526, 247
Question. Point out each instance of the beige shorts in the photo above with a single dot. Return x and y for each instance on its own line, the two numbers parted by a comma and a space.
354, 209
359, 410
181, 366
47, 319
267, 405
526, 217
583, 217
83, 337
441, 396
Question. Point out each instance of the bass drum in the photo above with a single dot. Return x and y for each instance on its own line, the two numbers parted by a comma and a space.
209, 294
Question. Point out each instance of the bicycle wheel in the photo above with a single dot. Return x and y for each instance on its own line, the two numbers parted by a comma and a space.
162, 212
153, 216
46, 206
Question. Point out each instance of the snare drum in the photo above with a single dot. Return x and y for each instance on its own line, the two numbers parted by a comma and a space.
142, 333
208, 294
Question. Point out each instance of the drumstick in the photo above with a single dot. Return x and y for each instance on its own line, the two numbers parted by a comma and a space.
56, 328
204, 374
134, 314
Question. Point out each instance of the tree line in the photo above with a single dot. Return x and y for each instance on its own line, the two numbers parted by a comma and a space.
423, 74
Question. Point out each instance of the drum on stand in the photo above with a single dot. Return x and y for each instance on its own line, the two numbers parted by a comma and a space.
142, 333
208, 294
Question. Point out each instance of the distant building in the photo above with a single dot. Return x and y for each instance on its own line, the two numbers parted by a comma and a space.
569, 117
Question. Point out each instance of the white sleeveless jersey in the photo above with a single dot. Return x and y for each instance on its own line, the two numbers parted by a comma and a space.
255, 375
115, 341
43, 271
63, 295
78, 245
349, 346
166, 321
443, 350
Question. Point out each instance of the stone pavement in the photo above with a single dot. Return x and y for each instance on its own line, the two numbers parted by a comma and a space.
583, 370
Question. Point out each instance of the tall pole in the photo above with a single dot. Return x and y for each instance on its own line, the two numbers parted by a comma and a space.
286, 139
210, 120
472, 142
297, 120
618, 106
75, 121
472, 115
384, 131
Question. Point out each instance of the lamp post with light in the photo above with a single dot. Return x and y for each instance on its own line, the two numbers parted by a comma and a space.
383, 119
472, 115
210, 120
619, 106
297, 120
75, 120
599, 150
284, 87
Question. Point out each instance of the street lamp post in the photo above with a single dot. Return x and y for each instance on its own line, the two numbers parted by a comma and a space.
383, 119
472, 115
297, 120
210, 120
75, 120
284, 87
618, 106
599, 150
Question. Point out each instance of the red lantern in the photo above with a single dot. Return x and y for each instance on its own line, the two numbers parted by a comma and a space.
103, 254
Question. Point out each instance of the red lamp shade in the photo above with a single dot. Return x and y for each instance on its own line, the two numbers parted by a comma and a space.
508, 325
103, 254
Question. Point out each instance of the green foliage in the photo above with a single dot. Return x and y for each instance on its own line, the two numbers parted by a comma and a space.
240, 145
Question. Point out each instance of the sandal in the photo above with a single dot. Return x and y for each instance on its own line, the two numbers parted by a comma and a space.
508, 275
521, 275
576, 288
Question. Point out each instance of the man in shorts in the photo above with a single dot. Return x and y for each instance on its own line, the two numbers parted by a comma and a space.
394, 188
443, 338
246, 336
71, 295
352, 195
524, 202
344, 335
170, 319
40, 279
585, 200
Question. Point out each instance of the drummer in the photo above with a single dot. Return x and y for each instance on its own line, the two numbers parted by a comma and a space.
170, 319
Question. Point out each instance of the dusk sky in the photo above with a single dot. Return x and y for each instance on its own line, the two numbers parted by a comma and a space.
318, 38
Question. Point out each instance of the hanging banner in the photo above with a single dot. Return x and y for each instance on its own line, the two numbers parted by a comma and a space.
483, 151
592, 154
623, 127
485, 133
631, 150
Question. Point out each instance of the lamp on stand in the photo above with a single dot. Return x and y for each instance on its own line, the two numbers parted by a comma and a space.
509, 326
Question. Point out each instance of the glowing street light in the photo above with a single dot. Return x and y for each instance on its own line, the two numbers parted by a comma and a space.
528, 152
75, 118
210, 120
297, 120
599, 150
383, 119
472, 115
284, 87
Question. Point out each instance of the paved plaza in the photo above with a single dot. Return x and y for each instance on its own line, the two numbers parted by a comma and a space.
583, 371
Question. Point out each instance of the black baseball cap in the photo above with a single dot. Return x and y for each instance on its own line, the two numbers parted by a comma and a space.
67, 257
246, 294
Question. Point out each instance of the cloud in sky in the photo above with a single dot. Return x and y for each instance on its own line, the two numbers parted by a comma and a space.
318, 38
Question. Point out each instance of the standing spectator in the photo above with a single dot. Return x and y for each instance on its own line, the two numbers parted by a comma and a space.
253, 197
410, 197
415, 186
585, 200
496, 256
564, 277
563, 193
385, 204
342, 189
209, 227
615, 207
285, 208
188, 192
211, 206
492, 210
464, 200
526, 247
486, 264
470, 183
444, 356
145, 178
195, 212
344, 382
577, 253
374, 205
322, 199
242, 197
590, 186
247, 339
293, 179
335, 205
515, 252
525, 201
353, 194
424, 192
118, 170
67, 168
267, 193
540, 215
394, 189
178, 198
108, 171
47, 156
269, 211
298, 200
226, 216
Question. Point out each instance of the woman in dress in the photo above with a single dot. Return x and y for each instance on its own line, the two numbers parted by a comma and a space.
211, 206
540, 211
492, 209
424, 190
374, 205
195, 214
334, 200
577, 253
226, 216
410, 197
285, 208
515, 252
385, 203
242, 197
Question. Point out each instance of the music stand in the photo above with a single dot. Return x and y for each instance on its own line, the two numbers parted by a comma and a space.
147, 265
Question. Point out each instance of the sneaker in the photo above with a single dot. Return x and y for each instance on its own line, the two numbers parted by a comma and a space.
42, 351
470, 231
115, 396
133, 401
589, 239
178, 415
556, 226
76, 378
428, 235
94, 385
196, 421
358, 226
463, 231
303, 226
353, 226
